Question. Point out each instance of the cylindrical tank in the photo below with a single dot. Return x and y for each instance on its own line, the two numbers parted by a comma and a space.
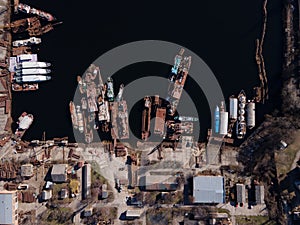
251, 115
217, 119
233, 107
223, 123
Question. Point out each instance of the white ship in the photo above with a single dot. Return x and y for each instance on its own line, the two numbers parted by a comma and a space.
27, 42
24, 65
31, 78
31, 71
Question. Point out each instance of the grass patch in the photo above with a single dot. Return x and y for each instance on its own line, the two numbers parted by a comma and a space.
221, 210
285, 158
160, 216
254, 220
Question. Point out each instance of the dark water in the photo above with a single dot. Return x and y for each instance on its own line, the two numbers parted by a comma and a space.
222, 33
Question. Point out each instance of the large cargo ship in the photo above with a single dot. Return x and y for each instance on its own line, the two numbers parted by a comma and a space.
241, 123
178, 77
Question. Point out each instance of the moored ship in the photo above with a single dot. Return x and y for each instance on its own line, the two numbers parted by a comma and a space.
241, 123
110, 89
24, 122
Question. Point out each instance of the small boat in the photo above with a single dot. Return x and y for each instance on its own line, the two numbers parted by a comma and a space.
110, 89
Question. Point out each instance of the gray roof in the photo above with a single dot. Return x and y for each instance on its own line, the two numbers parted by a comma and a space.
59, 169
6, 208
208, 189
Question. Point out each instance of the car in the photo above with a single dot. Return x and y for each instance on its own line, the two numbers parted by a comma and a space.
23, 186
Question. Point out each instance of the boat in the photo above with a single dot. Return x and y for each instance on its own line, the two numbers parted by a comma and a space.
27, 42
25, 87
120, 93
79, 119
251, 114
103, 110
241, 123
110, 89
146, 118
31, 79
217, 119
73, 115
241, 129
24, 65
177, 61
24, 122
122, 120
188, 119
32, 71
82, 85
30, 10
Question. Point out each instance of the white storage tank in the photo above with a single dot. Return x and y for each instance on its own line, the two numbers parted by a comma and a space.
251, 115
223, 123
233, 108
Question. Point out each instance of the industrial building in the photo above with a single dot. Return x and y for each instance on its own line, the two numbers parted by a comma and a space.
27, 170
86, 180
208, 189
240, 193
259, 194
59, 173
165, 181
8, 208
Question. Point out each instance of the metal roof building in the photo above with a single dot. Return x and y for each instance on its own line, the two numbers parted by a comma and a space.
27, 170
59, 173
208, 189
240, 193
259, 194
8, 207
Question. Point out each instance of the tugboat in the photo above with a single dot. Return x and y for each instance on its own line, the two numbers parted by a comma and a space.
241, 123
110, 89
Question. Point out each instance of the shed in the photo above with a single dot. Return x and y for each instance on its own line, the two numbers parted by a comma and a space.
59, 173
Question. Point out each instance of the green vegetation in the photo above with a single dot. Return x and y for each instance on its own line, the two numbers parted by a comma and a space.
254, 220
220, 210
160, 216
101, 214
285, 158
97, 181
55, 216
56, 194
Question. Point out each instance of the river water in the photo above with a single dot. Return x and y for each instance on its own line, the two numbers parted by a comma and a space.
222, 33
